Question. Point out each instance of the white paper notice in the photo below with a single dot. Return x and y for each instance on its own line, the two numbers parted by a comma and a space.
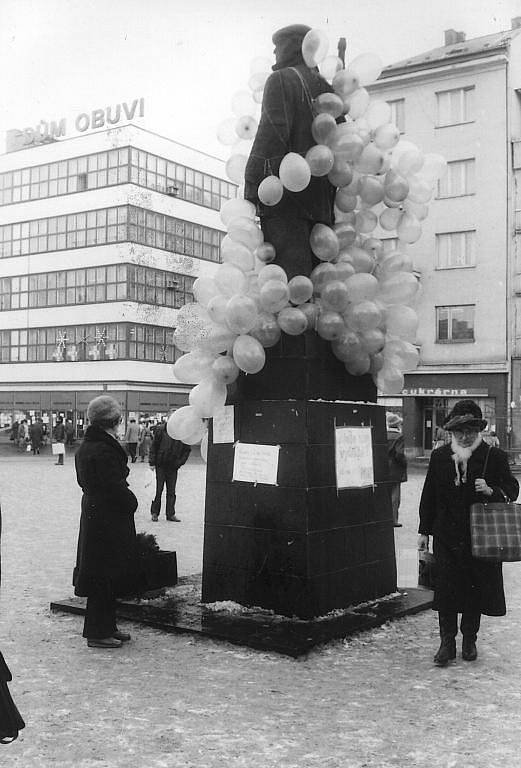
353, 457
254, 463
223, 425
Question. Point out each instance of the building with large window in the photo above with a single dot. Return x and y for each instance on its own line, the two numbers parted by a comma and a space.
101, 239
462, 100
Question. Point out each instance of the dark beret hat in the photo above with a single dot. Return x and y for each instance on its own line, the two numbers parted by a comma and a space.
466, 413
296, 32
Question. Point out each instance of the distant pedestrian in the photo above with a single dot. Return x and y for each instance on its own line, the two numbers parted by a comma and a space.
441, 437
397, 463
460, 474
58, 436
131, 439
491, 438
107, 554
69, 432
23, 436
13, 437
36, 435
166, 457
144, 441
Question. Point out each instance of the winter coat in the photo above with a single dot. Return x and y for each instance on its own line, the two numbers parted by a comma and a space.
166, 452
36, 434
58, 433
285, 126
106, 557
463, 583
132, 433
397, 458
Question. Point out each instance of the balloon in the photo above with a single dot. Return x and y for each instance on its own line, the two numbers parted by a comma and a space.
363, 316
330, 66
314, 47
367, 67
374, 247
193, 366
396, 187
341, 174
330, 325
270, 190
344, 201
192, 324
321, 274
329, 103
410, 162
344, 269
347, 346
434, 167
345, 233
266, 330
320, 160
226, 132
245, 231
224, 369
204, 289
324, 242
409, 229
420, 210
420, 191
356, 104
272, 272
294, 172
358, 365
360, 259
208, 395
399, 288
353, 188
274, 295
346, 144
248, 354
217, 308
345, 83
363, 129
236, 208
300, 289
235, 167
257, 81
217, 338
204, 447
365, 221
265, 253
401, 321
310, 312
361, 287
185, 422
401, 353
386, 136
371, 190
389, 218
237, 254
230, 279
246, 127
292, 321
377, 363
323, 127
242, 147
335, 296
373, 340
370, 160
389, 380
241, 314
243, 104
378, 114
395, 261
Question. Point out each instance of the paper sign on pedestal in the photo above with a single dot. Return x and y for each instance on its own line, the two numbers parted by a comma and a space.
254, 463
223, 425
353, 457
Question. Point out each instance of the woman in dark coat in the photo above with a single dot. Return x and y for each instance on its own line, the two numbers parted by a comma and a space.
457, 478
106, 559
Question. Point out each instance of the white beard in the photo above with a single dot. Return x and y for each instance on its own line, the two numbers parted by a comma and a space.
460, 457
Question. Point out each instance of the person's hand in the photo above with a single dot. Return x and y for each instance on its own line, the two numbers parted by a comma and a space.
423, 543
480, 484
152, 467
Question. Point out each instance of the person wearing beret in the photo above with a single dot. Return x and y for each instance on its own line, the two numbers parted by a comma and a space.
459, 475
285, 126
106, 564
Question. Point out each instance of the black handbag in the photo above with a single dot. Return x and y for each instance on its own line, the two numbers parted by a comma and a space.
426, 569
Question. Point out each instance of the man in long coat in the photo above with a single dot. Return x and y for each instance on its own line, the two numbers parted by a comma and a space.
285, 126
455, 480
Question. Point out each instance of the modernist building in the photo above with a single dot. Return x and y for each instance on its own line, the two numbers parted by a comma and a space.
463, 101
101, 238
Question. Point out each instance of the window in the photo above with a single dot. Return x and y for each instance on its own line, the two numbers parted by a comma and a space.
455, 324
455, 249
398, 113
455, 106
459, 179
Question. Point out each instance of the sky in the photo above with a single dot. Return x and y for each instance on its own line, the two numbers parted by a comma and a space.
187, 58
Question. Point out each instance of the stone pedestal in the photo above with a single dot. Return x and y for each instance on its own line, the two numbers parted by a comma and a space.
302, 547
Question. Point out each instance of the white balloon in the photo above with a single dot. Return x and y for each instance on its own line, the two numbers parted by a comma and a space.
314, 47
294, 172
367, 67
236, 208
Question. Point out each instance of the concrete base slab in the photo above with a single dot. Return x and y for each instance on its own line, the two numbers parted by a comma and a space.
179, 609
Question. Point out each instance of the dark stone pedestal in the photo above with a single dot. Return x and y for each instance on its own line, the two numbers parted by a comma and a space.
301, 548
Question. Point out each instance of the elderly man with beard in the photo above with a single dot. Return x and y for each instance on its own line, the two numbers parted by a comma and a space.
457, 478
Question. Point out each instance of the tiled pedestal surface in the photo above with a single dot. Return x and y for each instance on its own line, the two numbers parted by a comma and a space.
301, 548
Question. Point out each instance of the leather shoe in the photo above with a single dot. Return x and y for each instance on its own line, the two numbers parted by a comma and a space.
173, 519
123, 636
446, 652
155, 518
104, 642
469, 652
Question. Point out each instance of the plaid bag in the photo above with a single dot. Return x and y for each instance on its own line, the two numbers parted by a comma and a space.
495, 530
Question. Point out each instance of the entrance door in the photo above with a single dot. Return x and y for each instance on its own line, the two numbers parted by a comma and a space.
427, 426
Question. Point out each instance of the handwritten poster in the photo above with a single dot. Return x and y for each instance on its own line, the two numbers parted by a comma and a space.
353, 457
254, 463
223, 425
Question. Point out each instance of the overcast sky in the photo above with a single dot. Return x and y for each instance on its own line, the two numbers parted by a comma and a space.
187, 58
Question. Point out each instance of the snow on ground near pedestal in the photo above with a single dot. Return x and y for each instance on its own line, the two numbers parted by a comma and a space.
169, 701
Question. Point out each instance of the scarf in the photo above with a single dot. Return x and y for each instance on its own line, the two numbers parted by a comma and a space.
460, 457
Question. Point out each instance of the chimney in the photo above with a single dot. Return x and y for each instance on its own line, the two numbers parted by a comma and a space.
451, 37
516, 22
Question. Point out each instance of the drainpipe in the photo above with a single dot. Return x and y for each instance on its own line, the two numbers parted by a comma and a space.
508, 264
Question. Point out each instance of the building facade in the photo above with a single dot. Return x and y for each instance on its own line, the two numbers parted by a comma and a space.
463, 101
101, 239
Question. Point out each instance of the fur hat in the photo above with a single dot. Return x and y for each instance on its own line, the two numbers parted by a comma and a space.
466, 413
104, 411
294, 32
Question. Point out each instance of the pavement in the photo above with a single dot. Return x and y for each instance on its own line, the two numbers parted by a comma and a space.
168, 701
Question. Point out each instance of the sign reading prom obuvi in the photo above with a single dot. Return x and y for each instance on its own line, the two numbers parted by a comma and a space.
48, 131
353, 457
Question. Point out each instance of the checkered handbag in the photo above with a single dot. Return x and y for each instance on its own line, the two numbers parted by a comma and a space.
495, 529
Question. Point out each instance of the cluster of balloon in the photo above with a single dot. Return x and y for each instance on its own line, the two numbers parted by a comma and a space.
360, 297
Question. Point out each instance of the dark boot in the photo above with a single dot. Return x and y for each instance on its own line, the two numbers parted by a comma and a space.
448, 631
469, 629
